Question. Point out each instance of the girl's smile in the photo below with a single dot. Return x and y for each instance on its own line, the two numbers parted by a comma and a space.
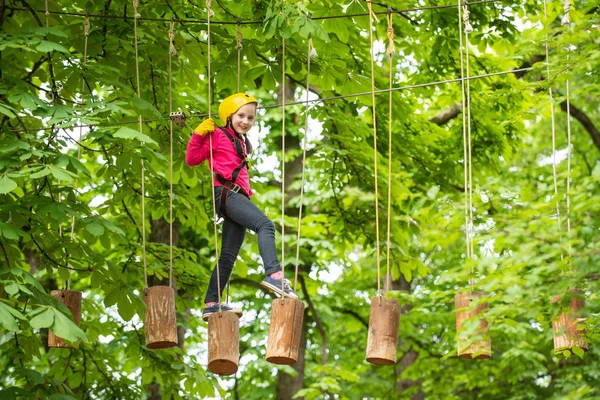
243, 119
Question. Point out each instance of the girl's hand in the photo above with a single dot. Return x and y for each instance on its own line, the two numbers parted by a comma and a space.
207, 126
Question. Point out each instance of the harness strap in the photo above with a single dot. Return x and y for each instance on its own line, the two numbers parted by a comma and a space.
229, 186
240, 151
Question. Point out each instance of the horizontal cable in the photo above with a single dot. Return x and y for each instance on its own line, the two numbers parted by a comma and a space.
345, 96
247, 22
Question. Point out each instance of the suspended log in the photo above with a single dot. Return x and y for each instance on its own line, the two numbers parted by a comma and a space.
383, 331
473, 344
72, 300
566, 334
283, 343
223, 343
160, 325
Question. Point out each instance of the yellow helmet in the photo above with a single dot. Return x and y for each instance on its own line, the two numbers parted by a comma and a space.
231, 104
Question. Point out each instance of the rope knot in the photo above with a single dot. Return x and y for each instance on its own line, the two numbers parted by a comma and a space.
172, 49
566, 20
211, 13
312, 53
86, 25
390, 35
136, 5
466, 19
239, 37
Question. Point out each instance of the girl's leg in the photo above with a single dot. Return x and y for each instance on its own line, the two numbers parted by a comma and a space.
243, 212
231, 242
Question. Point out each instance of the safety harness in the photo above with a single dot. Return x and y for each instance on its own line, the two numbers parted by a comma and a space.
229, 186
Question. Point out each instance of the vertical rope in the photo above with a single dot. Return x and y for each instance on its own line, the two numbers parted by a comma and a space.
47, 14
283, 162
553, 128
464, 128
311, 53
469, 29
371, 17
139, 93
238, 46
390, 53
209, 14
172, 53
566, 22
60, 231
86, 32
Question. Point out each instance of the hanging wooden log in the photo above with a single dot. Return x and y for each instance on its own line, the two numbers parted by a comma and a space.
383, 331
283, 343
223, 343
476, 344
72, 300
160, 325
566, 334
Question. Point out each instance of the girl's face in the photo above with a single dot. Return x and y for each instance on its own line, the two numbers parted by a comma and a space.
243, 119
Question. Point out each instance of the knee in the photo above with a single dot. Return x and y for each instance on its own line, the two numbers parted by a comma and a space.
228, 256
265, 225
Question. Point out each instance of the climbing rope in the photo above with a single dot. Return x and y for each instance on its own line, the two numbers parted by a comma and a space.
469, 29
172, 53
310, 54
86, 33
463, 16
566, 22
390, 53
283, 162
238, 47
64, 285
553, 129
209, 14
139, 93
373, 16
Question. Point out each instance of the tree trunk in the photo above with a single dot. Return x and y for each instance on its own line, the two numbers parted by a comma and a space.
288, 385
160, 234
408, 358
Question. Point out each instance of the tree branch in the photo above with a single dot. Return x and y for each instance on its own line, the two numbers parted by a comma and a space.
584, 120
320, 326
445, 116
576, 113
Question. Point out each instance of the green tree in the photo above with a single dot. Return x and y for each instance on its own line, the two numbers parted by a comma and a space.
524, 254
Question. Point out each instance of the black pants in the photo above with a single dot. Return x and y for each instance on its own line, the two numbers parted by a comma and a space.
242, 214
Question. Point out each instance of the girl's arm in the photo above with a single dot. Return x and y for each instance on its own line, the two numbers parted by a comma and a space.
198, 149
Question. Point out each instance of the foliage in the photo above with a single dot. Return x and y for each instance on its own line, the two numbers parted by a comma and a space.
78, 218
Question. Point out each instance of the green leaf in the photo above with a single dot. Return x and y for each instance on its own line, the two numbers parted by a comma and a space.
95, 228
12, 288
8, 111
7, 185
61, 174
578, 351
6, 317
65, 328
111, 297
41, 173
126, 309
46, 46
128, 133
43, 319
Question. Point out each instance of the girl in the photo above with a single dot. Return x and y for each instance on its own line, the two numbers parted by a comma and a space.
230, 148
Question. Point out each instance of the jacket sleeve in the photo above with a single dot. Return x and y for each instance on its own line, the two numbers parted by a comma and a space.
198, 149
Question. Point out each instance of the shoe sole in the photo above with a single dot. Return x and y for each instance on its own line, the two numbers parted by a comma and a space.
277, 290
237, 312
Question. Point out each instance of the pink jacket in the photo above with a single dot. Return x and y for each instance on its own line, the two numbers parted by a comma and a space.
225, 158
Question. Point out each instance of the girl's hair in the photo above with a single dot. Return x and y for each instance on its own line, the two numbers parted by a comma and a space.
248, 145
